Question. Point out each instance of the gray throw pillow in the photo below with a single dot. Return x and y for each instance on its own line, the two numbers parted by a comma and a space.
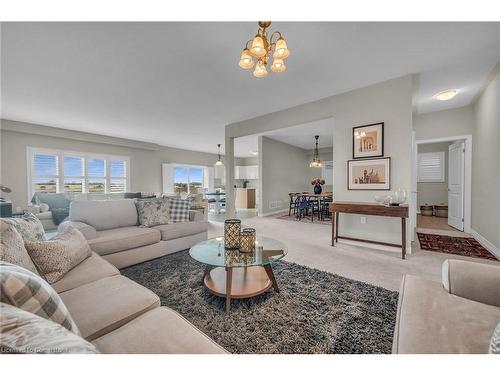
495, 341
153, 212
55, 257
29, 292
25, 333
29, 227
179, 210
12, 248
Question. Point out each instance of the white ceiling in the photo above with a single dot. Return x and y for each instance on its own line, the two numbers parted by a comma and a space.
179, 84
300, 136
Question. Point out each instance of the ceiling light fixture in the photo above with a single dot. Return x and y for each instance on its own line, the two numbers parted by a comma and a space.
261, 49
254, 152
316, 162
446, 95
218, 162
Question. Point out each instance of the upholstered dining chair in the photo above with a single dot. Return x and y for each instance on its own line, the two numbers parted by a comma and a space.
291, 206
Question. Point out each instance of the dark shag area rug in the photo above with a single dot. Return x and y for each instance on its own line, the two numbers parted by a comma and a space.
315, 311
466, 246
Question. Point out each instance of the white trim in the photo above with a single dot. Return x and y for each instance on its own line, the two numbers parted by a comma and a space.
487, 244
468, 173
30, 151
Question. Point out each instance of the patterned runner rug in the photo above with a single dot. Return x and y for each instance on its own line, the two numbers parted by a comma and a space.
466, 246
315, 311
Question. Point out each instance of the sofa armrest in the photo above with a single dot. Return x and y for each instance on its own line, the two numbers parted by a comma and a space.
475, 281
88, 231
195, 215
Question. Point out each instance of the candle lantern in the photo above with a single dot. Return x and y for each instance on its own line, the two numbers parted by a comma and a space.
232, 229
247, 240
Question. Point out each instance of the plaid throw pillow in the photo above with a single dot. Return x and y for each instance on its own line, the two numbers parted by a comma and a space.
26, 333
179, 210
29, 292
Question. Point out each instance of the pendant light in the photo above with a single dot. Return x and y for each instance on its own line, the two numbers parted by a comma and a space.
218, 162
316, 162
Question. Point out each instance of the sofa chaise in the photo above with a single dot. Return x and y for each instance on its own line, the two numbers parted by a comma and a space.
112, 230
458, 315
118, 315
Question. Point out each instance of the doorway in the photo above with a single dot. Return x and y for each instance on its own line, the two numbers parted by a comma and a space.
442, 185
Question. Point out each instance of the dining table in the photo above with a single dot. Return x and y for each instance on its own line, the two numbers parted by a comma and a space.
318, 197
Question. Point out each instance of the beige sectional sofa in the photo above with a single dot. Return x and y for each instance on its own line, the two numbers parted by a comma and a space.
458, 315
120, 316
112, 230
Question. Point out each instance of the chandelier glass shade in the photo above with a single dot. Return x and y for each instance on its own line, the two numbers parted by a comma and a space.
259, 51
316, 162
219, 161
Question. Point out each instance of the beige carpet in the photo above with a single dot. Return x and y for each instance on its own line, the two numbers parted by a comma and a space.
309, 245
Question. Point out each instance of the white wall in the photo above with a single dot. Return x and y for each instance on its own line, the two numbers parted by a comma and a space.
390, 102
284, 170
486, 162
434, 192
451, 122
145, 159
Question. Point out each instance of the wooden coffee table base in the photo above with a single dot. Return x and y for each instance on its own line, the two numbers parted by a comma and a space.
240, 282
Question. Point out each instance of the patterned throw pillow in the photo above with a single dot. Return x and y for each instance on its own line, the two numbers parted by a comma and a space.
152, 212
29, 292
12, 248
495, 341
55, 257
179, 210
29, 227
26, 333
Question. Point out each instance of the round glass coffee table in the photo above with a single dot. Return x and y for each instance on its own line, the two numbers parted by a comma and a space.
233, 274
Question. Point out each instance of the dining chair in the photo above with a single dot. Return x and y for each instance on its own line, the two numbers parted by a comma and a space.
292, 205
303, 204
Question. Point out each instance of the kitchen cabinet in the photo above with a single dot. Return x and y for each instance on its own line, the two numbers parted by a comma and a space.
246, 172
245, 198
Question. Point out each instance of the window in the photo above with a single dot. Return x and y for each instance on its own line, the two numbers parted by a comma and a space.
58, 171
188, 179
431, 167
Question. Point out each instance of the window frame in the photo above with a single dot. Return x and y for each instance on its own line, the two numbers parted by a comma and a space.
86, 156
442, 177
189, 166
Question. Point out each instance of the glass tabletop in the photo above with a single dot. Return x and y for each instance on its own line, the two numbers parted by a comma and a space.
212, 252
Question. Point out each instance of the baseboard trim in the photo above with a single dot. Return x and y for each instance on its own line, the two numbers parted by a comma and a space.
487, 244
274, 212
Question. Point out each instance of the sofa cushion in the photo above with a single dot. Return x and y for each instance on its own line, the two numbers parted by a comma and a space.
12, 248
46, 215
161, 331
29, 227
105, 214
55, 257
430, 320
177, 230
91, 269
29, 292
104, 305
120, 239
26, 333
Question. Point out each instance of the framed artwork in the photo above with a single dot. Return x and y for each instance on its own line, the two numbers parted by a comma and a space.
368, 141
369, 174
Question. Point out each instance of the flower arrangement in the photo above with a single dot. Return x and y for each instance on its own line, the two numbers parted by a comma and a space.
317, 181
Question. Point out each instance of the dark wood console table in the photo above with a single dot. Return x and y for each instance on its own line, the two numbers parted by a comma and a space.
369, 209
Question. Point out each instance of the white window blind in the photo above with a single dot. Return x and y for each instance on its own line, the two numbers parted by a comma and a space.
431, 167
56, 171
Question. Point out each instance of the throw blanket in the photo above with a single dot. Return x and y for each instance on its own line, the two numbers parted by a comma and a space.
58, 204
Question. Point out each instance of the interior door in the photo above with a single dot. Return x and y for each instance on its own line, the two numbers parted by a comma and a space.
456, 169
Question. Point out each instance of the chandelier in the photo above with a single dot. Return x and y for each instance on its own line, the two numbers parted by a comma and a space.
262, 49
316, 162
219, 161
